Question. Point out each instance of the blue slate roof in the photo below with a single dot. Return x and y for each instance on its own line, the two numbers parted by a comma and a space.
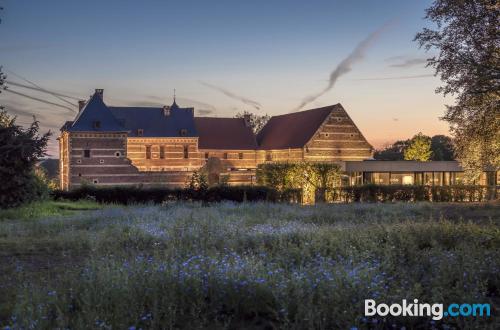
95, 111
152, 121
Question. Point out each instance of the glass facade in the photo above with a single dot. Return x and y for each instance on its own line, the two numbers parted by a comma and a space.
490, 178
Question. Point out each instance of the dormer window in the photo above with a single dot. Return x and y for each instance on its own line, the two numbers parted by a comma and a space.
183, 132
140, 132
96, 124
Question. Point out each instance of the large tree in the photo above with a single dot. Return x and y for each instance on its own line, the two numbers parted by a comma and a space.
466, 37
20, 149
257, 122
419, 148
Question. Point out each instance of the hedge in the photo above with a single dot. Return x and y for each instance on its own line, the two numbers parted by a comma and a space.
138, 195
391, 193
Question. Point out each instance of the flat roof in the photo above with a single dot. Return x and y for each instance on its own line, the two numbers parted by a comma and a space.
402, 166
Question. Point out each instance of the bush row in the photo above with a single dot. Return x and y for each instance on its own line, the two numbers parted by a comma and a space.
391, 193
157, 195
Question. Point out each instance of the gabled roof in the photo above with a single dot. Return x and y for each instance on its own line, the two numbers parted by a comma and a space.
154, 122
95, 111
224, 133
292, 130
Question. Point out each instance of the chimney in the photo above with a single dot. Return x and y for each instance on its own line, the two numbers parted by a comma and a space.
100, 92
81, 104
246, 118
166, 110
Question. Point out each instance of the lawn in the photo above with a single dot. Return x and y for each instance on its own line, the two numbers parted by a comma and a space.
245, 266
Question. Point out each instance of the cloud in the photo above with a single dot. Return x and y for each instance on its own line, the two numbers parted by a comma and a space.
345, 65
408, 62
243, 99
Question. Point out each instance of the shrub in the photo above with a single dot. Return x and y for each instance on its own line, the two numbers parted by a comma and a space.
413, 193
139, 195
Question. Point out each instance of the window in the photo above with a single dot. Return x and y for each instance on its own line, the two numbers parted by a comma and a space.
148, 152
86, 153
101, 161
78, 161
380, 178
206, 155
402, 178
327, 135
240, 155
186, 152
140, 132
269, 156
95, 181
162, 152
79, 174
339, 119
118, 154
96, 124
225, 155
183, 132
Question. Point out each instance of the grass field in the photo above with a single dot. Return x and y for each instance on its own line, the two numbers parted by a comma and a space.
244, 266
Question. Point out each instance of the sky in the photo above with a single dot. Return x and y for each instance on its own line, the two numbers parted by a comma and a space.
272, 54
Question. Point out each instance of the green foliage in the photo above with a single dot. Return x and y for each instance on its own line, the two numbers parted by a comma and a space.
308, 176
419, 148
19, 151
466, 40
248, 266
441, 147
413, 193
257, 122
158, 195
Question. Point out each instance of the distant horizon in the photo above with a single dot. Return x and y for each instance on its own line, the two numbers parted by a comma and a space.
224, 58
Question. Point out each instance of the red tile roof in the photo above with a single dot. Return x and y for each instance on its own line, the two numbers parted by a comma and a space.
293, 130
224, 133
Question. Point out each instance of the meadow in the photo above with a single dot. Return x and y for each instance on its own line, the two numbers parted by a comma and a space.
244, 266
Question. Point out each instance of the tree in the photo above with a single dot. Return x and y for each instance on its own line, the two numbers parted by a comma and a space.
257, 122
468, 63
442, 148
419, 148
393, 152
20, 149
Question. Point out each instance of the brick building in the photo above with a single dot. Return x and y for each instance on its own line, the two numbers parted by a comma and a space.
108, 145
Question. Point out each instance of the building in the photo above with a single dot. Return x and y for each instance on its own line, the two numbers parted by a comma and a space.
107, 145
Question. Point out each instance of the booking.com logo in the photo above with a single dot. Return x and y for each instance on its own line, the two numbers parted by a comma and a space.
437, 311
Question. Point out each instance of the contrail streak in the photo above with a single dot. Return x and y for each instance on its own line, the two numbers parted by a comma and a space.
345, 65
246, 101
39, 100
41, 90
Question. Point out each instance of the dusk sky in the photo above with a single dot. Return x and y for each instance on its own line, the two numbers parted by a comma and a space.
275, 53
